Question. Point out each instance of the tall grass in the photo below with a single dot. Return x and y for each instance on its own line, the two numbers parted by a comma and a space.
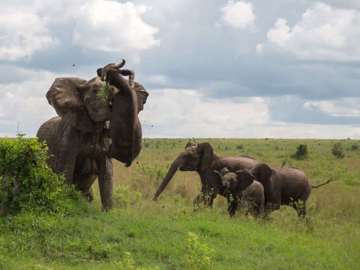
143, 234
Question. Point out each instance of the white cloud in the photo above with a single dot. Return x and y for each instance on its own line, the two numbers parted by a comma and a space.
22, 33
23, 102
259, 48
323, 33
279, 34
187, 113
172, 113
158, 79
345, 107
113, 26
238, 14
24, 105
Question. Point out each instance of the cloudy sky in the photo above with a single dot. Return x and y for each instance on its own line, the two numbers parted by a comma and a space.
252, 68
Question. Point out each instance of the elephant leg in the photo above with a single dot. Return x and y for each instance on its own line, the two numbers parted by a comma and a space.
84, 184
254, 209
197, 201
233, 204
106, 182
210, 197
204, 198
300, 207
68, 152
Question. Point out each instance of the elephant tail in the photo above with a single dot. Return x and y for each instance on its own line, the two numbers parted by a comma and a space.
322, 184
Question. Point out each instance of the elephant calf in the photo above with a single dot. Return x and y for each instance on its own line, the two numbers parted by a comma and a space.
284, 186
252, 197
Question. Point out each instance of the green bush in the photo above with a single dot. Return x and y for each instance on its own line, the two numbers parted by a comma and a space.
240, 147
354, 147
301, 152
338, 150
198, 256
26, 181
128, 263
123, 197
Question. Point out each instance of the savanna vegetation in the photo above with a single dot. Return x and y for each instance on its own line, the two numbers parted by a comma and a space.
63, 231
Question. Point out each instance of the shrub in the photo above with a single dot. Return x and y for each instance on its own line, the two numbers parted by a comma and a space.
338, 150
354, 147
124, 197
301, 152
240, 147
198, 255
128, 263
26, 182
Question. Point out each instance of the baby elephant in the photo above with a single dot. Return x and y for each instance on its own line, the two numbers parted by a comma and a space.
242, 188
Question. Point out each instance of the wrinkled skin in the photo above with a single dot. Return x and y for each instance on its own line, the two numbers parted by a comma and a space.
91, 130
252, 197
202, 159
285, 186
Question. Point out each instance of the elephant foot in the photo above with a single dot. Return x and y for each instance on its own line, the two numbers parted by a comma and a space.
88, 195
106, 205
106, 208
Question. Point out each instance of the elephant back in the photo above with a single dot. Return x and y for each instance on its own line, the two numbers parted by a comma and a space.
64, 96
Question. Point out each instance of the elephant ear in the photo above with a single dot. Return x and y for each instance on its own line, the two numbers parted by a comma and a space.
206, 153
65, 96
263, 173
244, 179
141, 95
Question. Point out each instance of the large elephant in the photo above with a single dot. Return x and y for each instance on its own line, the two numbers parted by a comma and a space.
202, 159
284, 186
252, 197
97, 121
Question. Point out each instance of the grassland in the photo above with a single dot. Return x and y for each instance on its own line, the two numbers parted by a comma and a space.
141, 234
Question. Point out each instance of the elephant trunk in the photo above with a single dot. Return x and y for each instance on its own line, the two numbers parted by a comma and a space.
172, 170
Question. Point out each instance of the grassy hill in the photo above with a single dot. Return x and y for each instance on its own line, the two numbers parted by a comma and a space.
141, 234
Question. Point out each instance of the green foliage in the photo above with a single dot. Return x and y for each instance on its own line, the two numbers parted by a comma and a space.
123, 197
26, 182
128, 263
198, 256
354, 147
153, 232
301, 152
4, 262
338, 150
239, 147
104, 92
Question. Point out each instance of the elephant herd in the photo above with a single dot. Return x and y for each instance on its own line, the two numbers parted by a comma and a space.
98, 120
241, 180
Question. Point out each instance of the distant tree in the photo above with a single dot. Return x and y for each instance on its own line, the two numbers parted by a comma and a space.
301, 152
338, 151
354, 147
240, 147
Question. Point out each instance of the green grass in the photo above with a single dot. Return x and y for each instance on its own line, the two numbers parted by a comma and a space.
156, 234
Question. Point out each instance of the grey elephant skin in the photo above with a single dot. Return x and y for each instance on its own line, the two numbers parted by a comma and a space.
284, 186
90, 129
251, 198
202, 159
